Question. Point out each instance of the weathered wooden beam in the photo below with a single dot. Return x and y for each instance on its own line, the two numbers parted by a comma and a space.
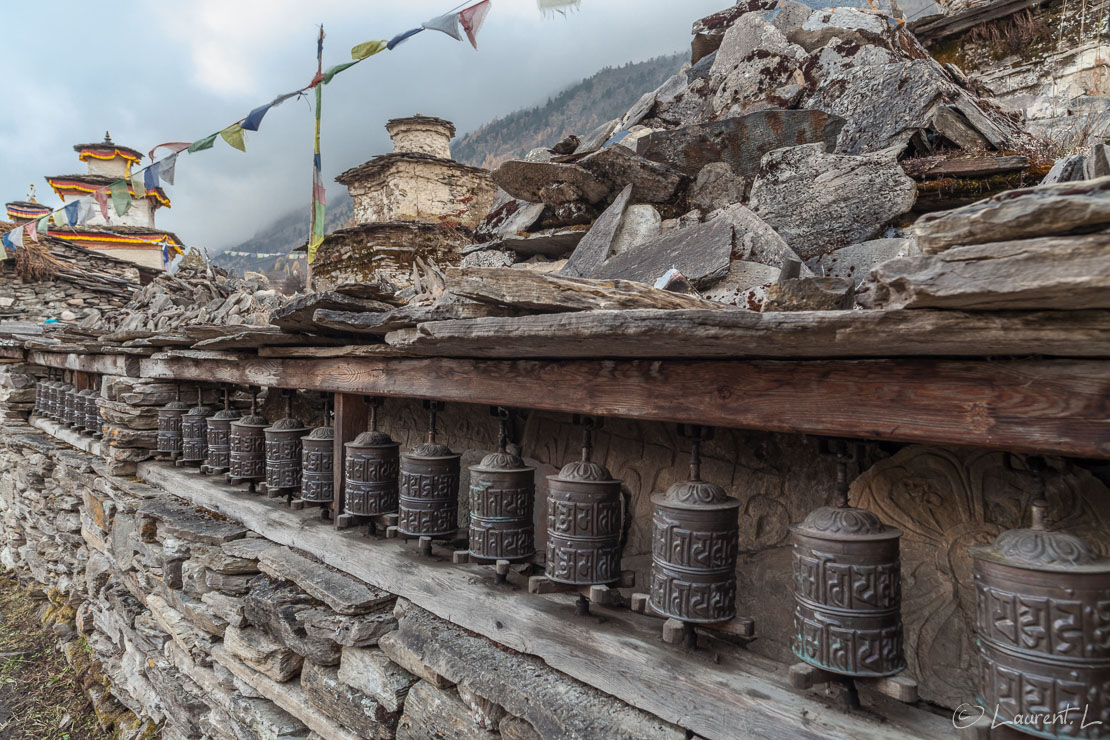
737, 334
11, 352
621, 655
977, 166
932, 28
1042, 406
101, 364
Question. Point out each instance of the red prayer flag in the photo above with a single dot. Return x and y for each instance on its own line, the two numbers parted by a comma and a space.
471, 20
175, 146
32, 232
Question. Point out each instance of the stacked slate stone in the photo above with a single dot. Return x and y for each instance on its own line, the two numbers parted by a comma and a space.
204, 629
17, 389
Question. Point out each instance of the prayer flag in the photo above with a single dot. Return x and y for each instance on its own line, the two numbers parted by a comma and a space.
368, 49
72, 210
15, 239
30, 229
336, 70
43, 225
3, 250
167, 168
165, 256
59, 217
86, 210
448, 24
150, 176
137, 188
393, 42
101, 198
121, 198
472, 19
557, 6
201, 144
233, 135
175, 146
254, 118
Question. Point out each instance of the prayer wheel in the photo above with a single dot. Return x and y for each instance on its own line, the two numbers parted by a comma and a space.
317, 464
169, 426
847, 588
502, 499
40, 396
247, 448
283, 453
93, 420
194, 432
81, 409
428, 500
1043, 619
218, 439
694, 544
584, 521
69, 406
56, 400
371, 470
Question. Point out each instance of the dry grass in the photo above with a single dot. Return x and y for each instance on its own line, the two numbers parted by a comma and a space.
40, 693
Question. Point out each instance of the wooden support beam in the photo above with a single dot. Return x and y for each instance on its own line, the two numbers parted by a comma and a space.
11, 352
350, 421
1038, 406
101, 364
712, 695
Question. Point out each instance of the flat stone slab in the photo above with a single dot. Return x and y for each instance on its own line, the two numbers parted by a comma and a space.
187, 523
263, 654
702, 253
594, 247
524, 180
741, 141
297, 314
342, 593
350, 707
372, 672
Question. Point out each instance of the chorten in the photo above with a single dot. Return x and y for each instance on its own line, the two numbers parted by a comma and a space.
414, 204
131, 236
21, 211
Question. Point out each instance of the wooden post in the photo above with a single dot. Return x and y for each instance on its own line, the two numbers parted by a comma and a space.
350, 421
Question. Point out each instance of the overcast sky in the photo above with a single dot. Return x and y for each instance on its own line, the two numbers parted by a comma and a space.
151, 72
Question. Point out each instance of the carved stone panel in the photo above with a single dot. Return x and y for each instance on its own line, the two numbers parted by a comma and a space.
945, 500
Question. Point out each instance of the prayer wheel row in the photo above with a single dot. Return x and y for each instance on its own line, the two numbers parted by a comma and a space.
63, 403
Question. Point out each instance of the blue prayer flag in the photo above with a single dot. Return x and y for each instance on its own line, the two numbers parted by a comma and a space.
402, 37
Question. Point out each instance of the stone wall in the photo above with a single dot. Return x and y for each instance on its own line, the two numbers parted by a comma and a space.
423, 189
51, 299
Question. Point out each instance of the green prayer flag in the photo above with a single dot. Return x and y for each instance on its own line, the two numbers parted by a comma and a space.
337, 69
121, 198
202, 144
3, 253
233, 135
43, 224
367, 49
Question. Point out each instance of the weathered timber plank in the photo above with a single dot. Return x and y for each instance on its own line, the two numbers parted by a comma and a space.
8, 352
352, 322
621, 655
1039, 406
978, 166
534, 291
102, 364
347, 350
350, 421
250, 339
934, 28
83, 442
733, 333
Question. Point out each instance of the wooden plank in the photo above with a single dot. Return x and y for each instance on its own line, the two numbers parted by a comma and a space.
81, 441
1038, 406
350, 421
347, 350
9, 352
932, 28
621, 655
978, 166
252, 338
100, 364
381, 323
533, 291
734, 333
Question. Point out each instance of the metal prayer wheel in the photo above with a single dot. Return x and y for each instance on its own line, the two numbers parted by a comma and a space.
283, 453
371, 469
428, 499
169, 426
57, 400
584, 521
69, 406
847, 588
81, 409
93, 421
694, 544
48, 395
247, 448
317, 464
40, 396
218, 439
1043, 619
194, 432
502, 499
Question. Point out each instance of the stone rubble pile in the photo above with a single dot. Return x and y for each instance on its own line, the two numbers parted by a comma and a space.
188, 625
196, 294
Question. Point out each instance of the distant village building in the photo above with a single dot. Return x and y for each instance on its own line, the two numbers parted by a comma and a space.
414, 202
132, 236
